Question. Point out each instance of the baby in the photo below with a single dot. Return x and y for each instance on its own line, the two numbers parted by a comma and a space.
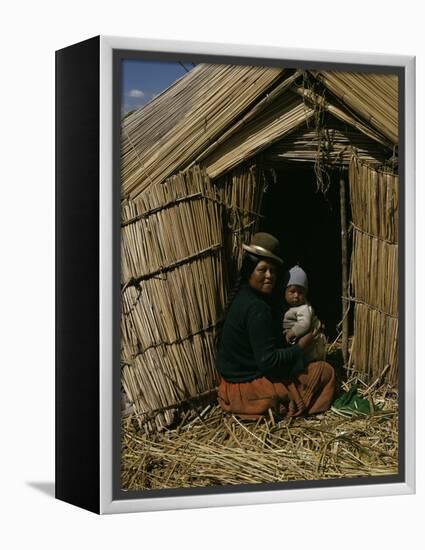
300, 318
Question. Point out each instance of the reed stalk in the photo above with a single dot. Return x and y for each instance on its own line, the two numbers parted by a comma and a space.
374, 270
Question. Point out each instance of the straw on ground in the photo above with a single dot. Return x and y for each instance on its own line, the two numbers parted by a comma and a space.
212, 448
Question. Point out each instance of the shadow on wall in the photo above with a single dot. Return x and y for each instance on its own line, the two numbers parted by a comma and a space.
46, 487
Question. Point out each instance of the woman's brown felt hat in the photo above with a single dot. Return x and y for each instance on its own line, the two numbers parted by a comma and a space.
264, 245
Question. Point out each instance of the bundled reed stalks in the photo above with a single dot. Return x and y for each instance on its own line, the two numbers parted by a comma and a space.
374, 270
162, 377
323, 103
164, 212
175, 241
336, 147
242, 192
173, 292
374, 278
212, 448
161, 139
373, 96
375, 344
374, 201
280, 118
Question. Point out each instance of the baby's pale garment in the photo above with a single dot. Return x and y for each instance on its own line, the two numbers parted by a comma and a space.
302, 319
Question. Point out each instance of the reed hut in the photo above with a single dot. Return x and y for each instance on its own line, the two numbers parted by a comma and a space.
228, 150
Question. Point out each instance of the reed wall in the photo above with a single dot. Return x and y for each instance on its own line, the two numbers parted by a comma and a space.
178, 241
374, 271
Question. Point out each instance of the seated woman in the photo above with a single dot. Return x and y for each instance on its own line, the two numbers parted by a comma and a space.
256, 373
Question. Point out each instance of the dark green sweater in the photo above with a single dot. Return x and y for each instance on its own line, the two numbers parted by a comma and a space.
248, 346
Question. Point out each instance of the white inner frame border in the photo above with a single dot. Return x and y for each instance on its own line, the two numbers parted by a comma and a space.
107, 505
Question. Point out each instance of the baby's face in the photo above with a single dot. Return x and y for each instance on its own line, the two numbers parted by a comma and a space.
295, 295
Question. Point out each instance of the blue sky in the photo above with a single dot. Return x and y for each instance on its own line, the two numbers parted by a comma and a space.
144, 80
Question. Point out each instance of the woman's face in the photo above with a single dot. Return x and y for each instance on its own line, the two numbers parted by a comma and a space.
263, 278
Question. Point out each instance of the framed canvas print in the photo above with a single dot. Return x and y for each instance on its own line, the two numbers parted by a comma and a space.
235, 274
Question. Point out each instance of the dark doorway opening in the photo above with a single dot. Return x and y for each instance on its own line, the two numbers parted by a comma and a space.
308, 226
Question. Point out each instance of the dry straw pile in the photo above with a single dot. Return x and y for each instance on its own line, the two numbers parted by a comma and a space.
209, 447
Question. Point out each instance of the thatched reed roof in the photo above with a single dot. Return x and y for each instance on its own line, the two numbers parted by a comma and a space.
373, 97
335, 143
177, 126
222, 115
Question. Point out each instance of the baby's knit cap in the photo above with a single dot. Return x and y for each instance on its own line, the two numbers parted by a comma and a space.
297, 276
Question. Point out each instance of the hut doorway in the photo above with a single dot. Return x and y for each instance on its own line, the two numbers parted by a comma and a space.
307, 224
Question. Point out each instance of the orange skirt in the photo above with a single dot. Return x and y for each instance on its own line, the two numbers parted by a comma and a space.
310, 392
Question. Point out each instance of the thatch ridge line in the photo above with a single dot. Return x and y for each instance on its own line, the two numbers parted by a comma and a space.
372, 97
366, 164
256, 109
339, 144
315, 99
370, 306
164, 206
281, 118
193, 196
180, 340
134, 281
372, 236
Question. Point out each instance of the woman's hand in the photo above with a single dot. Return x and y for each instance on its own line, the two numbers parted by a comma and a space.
306, 340
290, 336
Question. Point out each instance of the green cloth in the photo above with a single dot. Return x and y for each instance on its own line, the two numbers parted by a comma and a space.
351, 403
249, 347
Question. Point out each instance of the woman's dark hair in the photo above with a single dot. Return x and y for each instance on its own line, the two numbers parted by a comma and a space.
249, 263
